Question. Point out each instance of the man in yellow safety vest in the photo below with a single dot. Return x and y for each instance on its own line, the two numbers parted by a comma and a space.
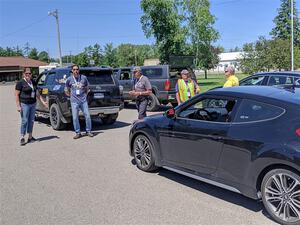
231, 79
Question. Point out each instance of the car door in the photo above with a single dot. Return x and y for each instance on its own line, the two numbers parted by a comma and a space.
126, 80
43, 91
193, 141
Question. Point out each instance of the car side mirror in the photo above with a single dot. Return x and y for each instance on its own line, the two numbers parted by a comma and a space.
170, 113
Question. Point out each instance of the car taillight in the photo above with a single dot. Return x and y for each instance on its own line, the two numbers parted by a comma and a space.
298, 131
121, 88
167, 85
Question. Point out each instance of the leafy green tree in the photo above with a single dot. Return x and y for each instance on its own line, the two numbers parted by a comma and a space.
14, 51
162, 20
201, 32
82, 59
33, 54
126, 55
94, 53
282, 22
43, 56
110, 55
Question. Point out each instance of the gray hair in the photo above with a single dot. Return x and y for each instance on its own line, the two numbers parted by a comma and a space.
136, 68
230, 69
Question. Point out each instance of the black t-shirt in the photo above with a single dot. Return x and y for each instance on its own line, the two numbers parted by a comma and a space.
26, 92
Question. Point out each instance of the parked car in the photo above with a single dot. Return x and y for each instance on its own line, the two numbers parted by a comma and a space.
272, 78
104, 98
244, 139
163, 79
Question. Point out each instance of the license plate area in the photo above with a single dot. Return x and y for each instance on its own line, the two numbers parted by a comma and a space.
98, 95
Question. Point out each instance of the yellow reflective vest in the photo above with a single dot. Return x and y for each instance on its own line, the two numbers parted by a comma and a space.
185, 88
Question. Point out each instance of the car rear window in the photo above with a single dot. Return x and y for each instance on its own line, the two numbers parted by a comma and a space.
250, 111
98, 77
152, 72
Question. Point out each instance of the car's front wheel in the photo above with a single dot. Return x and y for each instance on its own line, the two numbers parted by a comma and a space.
143, 153
55, 118
281, 196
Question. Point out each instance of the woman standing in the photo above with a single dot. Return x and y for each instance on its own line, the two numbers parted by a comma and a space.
26, 94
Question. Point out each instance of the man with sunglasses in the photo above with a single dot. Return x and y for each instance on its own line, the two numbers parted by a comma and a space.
231, 79
77, 87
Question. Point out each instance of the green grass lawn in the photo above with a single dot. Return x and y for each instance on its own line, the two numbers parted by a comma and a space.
214, 80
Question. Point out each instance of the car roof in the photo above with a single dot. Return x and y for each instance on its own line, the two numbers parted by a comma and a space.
284, 73
83, 68
287, 94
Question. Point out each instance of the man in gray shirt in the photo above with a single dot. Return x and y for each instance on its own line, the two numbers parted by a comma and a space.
141, 89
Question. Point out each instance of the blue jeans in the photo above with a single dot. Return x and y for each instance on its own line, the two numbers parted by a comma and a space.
83, 106
27, 116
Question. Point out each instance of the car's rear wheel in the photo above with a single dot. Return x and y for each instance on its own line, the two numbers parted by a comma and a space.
55, 117
143, 153
281, 196
109, 119
153, 103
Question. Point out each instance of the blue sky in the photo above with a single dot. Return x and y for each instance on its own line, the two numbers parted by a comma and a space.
86, 22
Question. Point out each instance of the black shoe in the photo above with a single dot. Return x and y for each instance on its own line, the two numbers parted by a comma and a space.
22, 141
77, 136
90, 134
32, 139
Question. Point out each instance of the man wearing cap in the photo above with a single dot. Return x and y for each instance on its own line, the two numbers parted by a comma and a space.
141, 90
185, 87
231, 79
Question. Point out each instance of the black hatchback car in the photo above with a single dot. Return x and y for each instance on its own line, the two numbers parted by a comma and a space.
105, 98
244, 139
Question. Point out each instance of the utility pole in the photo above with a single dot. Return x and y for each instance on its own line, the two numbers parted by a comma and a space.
55, 14
292, 34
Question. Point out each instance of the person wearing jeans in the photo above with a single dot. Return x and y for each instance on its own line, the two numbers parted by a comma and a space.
77, 87
26, 94
75, 114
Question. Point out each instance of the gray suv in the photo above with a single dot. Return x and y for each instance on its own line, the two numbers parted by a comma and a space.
163, 79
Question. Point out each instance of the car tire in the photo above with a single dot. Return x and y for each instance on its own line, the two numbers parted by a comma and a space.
143, 154
109, 119
153, 103
280, 190
55, 117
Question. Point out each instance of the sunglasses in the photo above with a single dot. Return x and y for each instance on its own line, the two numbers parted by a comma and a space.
226, 71
75, 69
28, 73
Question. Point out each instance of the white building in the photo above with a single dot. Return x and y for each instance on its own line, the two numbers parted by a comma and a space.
228, 58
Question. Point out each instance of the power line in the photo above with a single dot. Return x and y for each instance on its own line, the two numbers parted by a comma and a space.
103, 14
25, 27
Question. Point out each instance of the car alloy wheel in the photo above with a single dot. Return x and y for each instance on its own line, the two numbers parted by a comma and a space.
143, 155
281, 196
54, 116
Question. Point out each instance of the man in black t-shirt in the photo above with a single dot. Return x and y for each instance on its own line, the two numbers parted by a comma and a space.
26, 94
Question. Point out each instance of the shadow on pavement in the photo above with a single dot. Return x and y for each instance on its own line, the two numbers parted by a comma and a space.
96, 124
47, 138
215, 191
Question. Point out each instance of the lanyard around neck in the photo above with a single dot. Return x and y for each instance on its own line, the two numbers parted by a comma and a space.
29, 84
77, 82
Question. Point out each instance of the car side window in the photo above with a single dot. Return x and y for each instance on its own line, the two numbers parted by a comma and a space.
209, 109
250, 110
280, 80
61, 77
125, 75
258, 80
41, 80
50, 78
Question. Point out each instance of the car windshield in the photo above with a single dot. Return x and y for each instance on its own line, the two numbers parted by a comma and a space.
98, 77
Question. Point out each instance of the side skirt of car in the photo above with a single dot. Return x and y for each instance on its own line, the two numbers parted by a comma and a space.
215, 183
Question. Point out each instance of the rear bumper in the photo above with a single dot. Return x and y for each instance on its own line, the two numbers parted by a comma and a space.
167, 96
96, 111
